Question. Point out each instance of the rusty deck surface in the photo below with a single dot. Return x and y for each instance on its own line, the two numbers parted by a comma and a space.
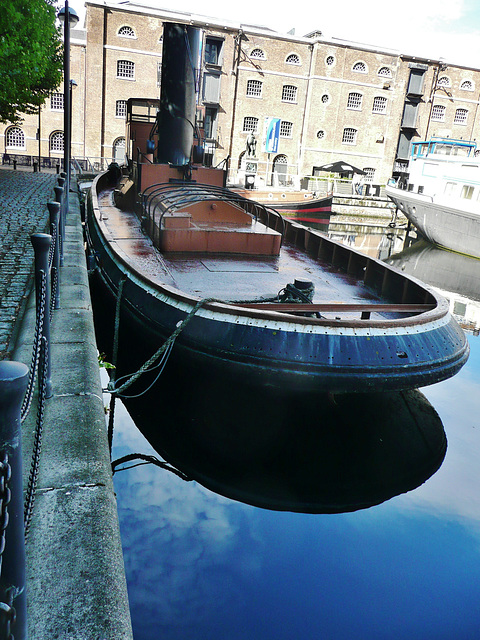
226, 277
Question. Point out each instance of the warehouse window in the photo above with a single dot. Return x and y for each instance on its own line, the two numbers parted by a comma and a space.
354, 101
349, 136
286, 129
438, 113
250, 124
125, 69
56, 142
461, 116
360, 67
289, 93
254, 89
56, 102
293, 59
121, 109
379, 105
15, 138
126, 32
258, 54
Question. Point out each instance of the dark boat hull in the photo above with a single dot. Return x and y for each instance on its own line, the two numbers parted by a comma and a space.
278, 350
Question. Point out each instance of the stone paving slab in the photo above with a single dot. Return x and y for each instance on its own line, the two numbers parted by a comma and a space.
23, 211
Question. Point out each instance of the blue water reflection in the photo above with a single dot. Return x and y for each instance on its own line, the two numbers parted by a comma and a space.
202, 566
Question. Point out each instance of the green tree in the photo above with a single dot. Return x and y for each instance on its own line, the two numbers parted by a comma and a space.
30, 56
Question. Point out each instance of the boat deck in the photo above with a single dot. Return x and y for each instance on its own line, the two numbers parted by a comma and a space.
230, 277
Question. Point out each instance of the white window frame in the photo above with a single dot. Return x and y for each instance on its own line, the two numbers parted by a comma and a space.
14, 138
250, 120
121, 109
385, 72
360, 67
127, 34
438, 113
56, 142
379, 105
461, 116
254, 89
125, 70
293, 58
257, 54
57, 101
286, 129
289, 93
349, 136
467, 85
354, 101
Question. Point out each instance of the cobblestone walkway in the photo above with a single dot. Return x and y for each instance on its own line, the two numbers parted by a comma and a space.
23, 211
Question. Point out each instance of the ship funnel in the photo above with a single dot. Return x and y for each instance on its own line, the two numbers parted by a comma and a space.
176, 117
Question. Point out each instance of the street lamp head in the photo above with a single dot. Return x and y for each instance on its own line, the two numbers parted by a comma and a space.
72, 16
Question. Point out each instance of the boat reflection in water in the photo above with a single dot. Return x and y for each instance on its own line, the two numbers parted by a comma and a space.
293, 452
456, 276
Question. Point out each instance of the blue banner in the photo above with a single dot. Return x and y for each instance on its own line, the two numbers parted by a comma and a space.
272, 134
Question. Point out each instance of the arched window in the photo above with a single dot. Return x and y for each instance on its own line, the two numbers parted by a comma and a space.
360, 67
126, 32
56, 142
443, 82
280, 170
125, 69
14, 138
258, 54
293, 59
289, 93
467, 85
385, 72
119, 150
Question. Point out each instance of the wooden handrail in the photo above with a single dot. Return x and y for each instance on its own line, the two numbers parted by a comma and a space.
332, 307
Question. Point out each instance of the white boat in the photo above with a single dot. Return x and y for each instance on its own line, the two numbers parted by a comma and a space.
440, 195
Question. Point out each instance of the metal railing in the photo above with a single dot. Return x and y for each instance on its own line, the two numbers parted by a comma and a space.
17, 385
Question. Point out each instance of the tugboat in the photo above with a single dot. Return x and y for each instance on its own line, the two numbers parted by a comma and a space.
231, 287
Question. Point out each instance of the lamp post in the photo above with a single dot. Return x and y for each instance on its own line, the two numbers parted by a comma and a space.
69, 18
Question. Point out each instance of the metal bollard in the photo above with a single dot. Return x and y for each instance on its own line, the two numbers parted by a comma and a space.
41, 245
54, 211
35, 167
13, 383
59, 197
14, 165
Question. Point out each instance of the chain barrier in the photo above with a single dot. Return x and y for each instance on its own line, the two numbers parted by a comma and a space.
7, 610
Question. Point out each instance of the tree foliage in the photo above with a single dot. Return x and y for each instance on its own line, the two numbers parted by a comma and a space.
30, 56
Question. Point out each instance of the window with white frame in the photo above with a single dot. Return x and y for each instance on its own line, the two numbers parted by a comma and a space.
126, 69
443, 82
293, 59
56, 102
330, 61
56, 142
126, 32
354, 101
286, 129
379, 104
369, 174
250, 123
438, 113
385, 72
254, 88
289, 93
15, 138
121, 109
349, 136
360, 67
258, 54
466, 85
461, 116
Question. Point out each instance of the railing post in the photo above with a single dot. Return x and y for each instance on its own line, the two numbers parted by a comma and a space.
13, 383
59, 195
54, 210
41, 245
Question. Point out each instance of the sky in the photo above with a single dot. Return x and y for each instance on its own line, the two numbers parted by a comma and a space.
436, 29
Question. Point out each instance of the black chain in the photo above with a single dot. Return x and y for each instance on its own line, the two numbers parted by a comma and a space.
32, 479
7, 611
27, 401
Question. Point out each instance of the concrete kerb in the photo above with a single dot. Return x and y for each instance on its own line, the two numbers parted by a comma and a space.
75, 573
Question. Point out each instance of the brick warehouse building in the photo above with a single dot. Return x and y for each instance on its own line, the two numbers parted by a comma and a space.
335, 99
